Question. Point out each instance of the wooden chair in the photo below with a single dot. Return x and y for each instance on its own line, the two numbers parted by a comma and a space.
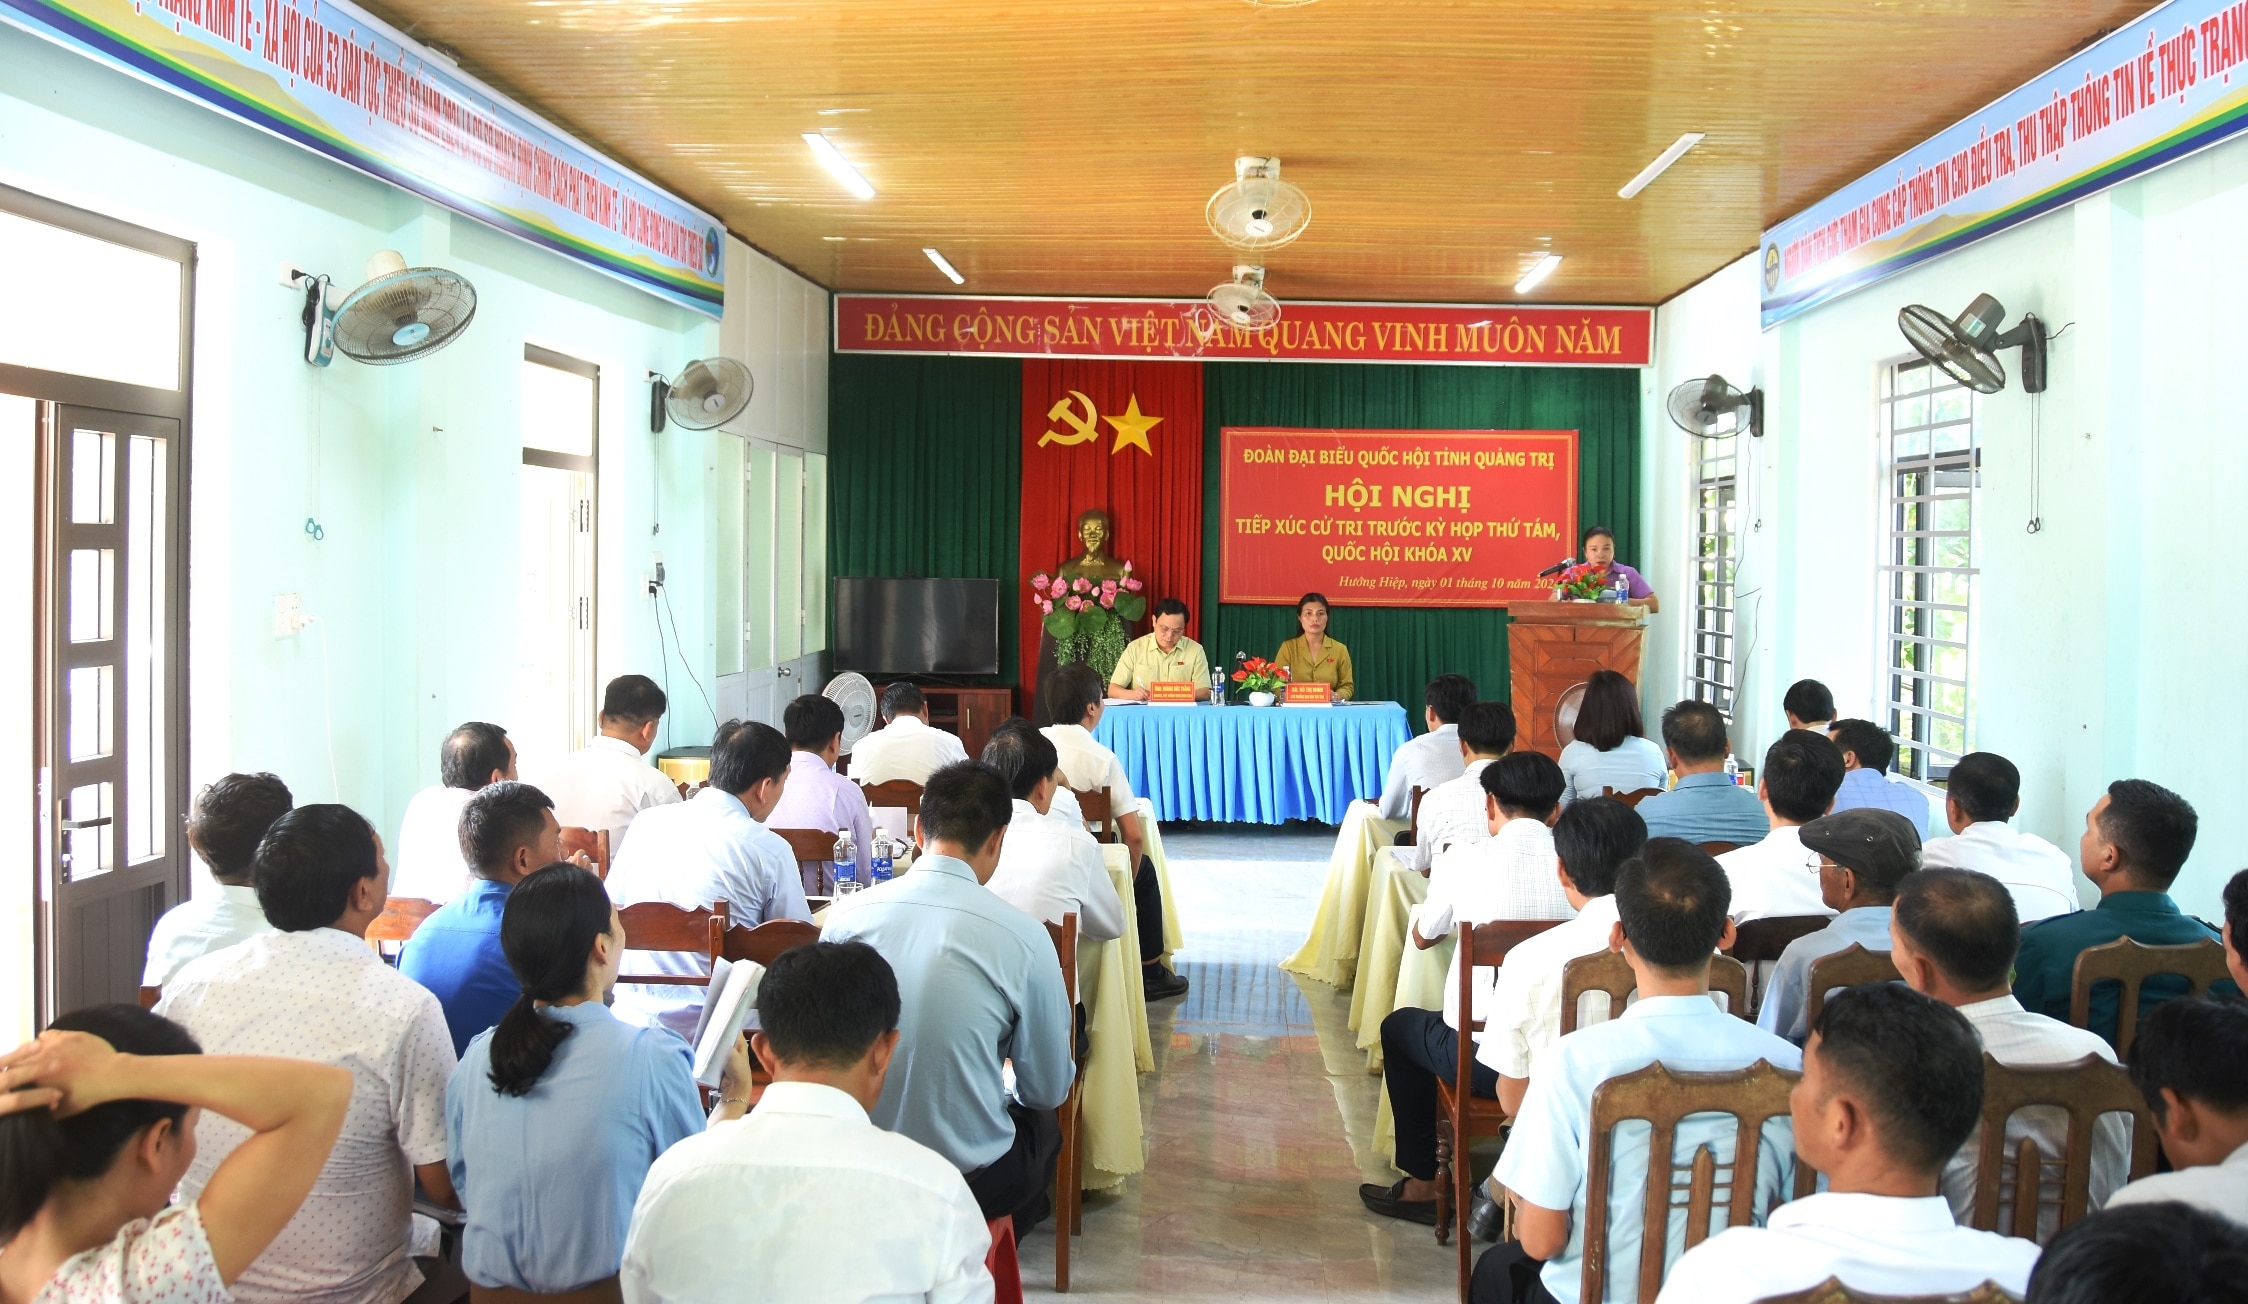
1718, 848
1634, 797
593, 842
1832, 1291
1069, 1197
897, 792
2125, 961
149, 996
604, 1291
1848, 967
661, 926
1461, 1115
1608, 971
2084, 1090
764, 943
1411, 837
1760, 941
814, 847
399, 918
1663, 1099
1095, 806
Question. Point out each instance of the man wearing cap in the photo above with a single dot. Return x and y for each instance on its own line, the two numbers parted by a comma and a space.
1860, 856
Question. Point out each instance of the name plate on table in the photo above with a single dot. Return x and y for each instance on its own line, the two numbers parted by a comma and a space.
1309, 695
1172, 693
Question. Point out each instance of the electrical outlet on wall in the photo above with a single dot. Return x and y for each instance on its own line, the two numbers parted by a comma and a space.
288, 615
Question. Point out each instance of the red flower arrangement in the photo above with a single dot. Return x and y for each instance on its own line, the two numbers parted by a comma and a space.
1585, 581
1258, 675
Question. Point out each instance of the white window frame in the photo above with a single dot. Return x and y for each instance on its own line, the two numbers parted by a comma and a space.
1930, 462
1713, 560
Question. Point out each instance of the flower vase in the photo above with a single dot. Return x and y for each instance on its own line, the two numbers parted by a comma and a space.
1261, 699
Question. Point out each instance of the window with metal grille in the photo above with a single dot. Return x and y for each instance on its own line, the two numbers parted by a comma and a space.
1709, 657
1933, 466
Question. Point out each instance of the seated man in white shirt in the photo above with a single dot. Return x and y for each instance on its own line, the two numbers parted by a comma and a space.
1457, 810
695, 854
1858, 858
1428, 761
2190, 1061
1048, 869
1953, 936
1892, 1084
747, 1209
2164, 1251
1075, 693
905, 747
1981, 795
604, 784
1670, 920
1512, 875
313, 989
430, 862
225, 824
1801, 774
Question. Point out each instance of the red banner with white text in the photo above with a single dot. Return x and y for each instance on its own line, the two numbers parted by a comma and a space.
1394, 518
1184, 328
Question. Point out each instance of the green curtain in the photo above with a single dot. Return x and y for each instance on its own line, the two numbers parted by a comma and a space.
925, 473
1395, 650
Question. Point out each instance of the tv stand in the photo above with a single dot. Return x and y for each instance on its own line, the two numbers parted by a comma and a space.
972, 713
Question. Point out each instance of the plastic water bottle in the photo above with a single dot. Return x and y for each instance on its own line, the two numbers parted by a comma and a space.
1733, 769
879, 872
1217, 688
846, 864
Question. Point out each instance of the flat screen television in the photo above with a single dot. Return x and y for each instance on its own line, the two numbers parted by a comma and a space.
916, 627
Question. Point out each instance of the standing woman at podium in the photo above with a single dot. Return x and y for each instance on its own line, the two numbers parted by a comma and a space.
1598, 548
1311, 657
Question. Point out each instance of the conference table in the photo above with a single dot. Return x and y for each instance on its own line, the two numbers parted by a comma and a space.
1254, 765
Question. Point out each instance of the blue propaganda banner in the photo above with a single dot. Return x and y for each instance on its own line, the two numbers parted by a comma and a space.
328, 76
2163, 86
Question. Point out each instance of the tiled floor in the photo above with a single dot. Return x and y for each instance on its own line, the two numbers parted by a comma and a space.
1256, 1113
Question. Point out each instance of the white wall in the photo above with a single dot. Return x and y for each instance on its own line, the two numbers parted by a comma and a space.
411, 470
2108, 645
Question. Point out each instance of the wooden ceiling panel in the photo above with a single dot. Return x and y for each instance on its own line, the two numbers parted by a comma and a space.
1069, 148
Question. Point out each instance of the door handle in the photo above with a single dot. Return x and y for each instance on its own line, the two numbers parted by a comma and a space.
100, 822
784, 672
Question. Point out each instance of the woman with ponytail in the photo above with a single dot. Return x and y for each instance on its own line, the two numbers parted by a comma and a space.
554, 1115
97, 1126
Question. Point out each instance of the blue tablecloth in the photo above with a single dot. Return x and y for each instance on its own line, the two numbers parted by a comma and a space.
1259, 765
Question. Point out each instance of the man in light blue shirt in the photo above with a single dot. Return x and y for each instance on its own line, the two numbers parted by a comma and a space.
981, 987
1867, 750
508, 832
1860, 857
695, 854
1705, 805
1671, 905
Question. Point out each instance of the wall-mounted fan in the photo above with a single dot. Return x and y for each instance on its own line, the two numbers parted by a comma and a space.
1710, 408
1257, 210
851, 691
708, 393
1966, 346
1242, 302
400, 314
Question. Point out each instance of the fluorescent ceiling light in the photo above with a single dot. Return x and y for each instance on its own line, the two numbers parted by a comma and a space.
955, 277
1662, 161
1538, 272
838, 166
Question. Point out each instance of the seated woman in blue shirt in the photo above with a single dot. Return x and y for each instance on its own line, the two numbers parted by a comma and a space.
1611, 748
554, 1116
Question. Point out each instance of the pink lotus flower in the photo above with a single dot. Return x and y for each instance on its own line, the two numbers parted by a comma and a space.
1131, 585
1038, 581
1046, 607
1076, 603
1082, 585
1108, 588
1108, 599
1058, 588
1127, 568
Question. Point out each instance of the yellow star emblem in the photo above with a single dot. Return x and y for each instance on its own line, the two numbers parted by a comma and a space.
1132, 428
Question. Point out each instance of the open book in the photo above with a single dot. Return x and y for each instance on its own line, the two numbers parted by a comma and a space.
733, 994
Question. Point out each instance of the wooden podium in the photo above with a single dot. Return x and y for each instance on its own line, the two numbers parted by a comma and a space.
1554, 646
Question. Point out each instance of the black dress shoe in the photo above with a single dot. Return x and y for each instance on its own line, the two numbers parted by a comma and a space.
1483, 1218
1390, 1202
1160, 984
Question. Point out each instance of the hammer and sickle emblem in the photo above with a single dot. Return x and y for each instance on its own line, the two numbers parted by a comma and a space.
1064, 413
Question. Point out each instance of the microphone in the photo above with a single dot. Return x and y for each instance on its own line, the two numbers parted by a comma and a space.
1240, 657
1557, 567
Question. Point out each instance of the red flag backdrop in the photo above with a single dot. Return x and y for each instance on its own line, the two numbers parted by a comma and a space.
1127, 437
